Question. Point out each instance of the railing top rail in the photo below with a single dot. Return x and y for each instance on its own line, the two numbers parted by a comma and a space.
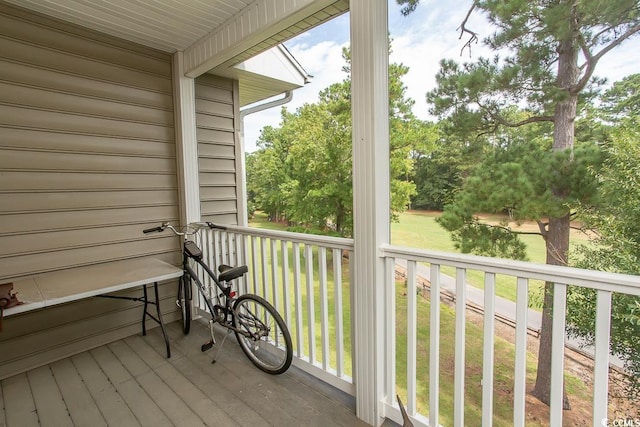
614, 282
308, 239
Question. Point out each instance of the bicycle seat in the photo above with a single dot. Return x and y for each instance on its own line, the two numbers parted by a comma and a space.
228, 273
224, 267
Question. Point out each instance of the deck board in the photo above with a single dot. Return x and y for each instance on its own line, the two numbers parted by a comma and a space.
144, 408
112, 406
82, 409
172, 405
18, 402
241, 387
130, 383
48, 399
198, 402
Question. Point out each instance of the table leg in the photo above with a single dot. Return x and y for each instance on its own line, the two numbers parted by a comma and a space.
164, 331
144, 312
157, 318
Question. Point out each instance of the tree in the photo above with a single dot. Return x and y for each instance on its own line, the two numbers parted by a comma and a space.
306, 175
616, 225
441, 167
267, 171
320, 163
546, 56
622, 100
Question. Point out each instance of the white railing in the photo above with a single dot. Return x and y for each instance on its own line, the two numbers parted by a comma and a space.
293, 272
522, 273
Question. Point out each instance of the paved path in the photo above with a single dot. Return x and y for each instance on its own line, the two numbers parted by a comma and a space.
505, 310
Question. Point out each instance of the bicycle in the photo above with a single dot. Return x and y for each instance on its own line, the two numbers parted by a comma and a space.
260, 330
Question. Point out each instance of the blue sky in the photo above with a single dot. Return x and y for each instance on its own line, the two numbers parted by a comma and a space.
419, 41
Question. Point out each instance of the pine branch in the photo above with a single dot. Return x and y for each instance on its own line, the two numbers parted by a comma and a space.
463, 29
599, 34
499, 120
524, 233
533, 119
604, 31
592, 60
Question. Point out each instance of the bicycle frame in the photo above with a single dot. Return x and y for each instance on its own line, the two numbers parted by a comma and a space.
199, 283
224, 292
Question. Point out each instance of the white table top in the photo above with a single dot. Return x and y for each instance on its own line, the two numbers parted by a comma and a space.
83, 282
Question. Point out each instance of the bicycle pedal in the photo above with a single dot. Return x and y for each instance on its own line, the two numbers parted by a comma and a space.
206, 346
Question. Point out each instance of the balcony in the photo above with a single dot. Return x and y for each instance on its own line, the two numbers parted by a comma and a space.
301, 274
109, 128
131, 383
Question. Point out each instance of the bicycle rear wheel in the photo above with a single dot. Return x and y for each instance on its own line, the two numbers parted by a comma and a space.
184, 302
263, 335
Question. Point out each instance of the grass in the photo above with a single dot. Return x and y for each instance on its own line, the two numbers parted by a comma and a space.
419, 229
504, 356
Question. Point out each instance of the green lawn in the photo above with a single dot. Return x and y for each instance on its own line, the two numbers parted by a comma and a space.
504, 357
419, 229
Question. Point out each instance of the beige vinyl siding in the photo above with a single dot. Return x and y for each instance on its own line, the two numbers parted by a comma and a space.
87, 160
216, 119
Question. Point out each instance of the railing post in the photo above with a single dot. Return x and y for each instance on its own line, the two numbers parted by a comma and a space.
601, 357
370, 116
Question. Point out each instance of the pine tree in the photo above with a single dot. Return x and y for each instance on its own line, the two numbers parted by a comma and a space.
546, 55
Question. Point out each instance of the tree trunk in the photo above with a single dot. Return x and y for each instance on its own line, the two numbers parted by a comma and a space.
557, 238
557, 249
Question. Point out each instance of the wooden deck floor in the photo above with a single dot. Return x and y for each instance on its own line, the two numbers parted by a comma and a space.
131, 383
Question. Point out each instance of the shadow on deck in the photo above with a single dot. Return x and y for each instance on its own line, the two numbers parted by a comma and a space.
131, 383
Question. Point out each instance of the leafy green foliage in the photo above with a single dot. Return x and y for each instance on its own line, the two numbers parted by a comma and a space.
515, 175
616, 248
302, 172
622, 100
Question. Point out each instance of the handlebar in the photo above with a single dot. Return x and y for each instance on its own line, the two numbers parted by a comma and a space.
212, 225
189, 230
151, 230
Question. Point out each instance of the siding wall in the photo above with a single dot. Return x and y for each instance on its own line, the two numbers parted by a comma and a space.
217, 115
87, 160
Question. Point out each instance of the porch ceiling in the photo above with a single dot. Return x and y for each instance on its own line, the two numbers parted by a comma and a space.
172, 25
165, 25
185, 25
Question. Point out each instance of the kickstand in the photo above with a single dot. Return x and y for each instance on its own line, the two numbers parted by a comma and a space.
215, 357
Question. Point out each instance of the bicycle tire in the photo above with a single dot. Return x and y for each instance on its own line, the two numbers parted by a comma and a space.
184, 302
272, 352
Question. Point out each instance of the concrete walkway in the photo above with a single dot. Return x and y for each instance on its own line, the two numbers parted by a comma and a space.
505, 310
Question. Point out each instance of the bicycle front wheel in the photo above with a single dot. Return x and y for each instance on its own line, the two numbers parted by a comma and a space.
184, 302
262, 334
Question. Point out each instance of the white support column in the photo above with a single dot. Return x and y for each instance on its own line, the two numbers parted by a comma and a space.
241, 179
370, 112
184, 100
